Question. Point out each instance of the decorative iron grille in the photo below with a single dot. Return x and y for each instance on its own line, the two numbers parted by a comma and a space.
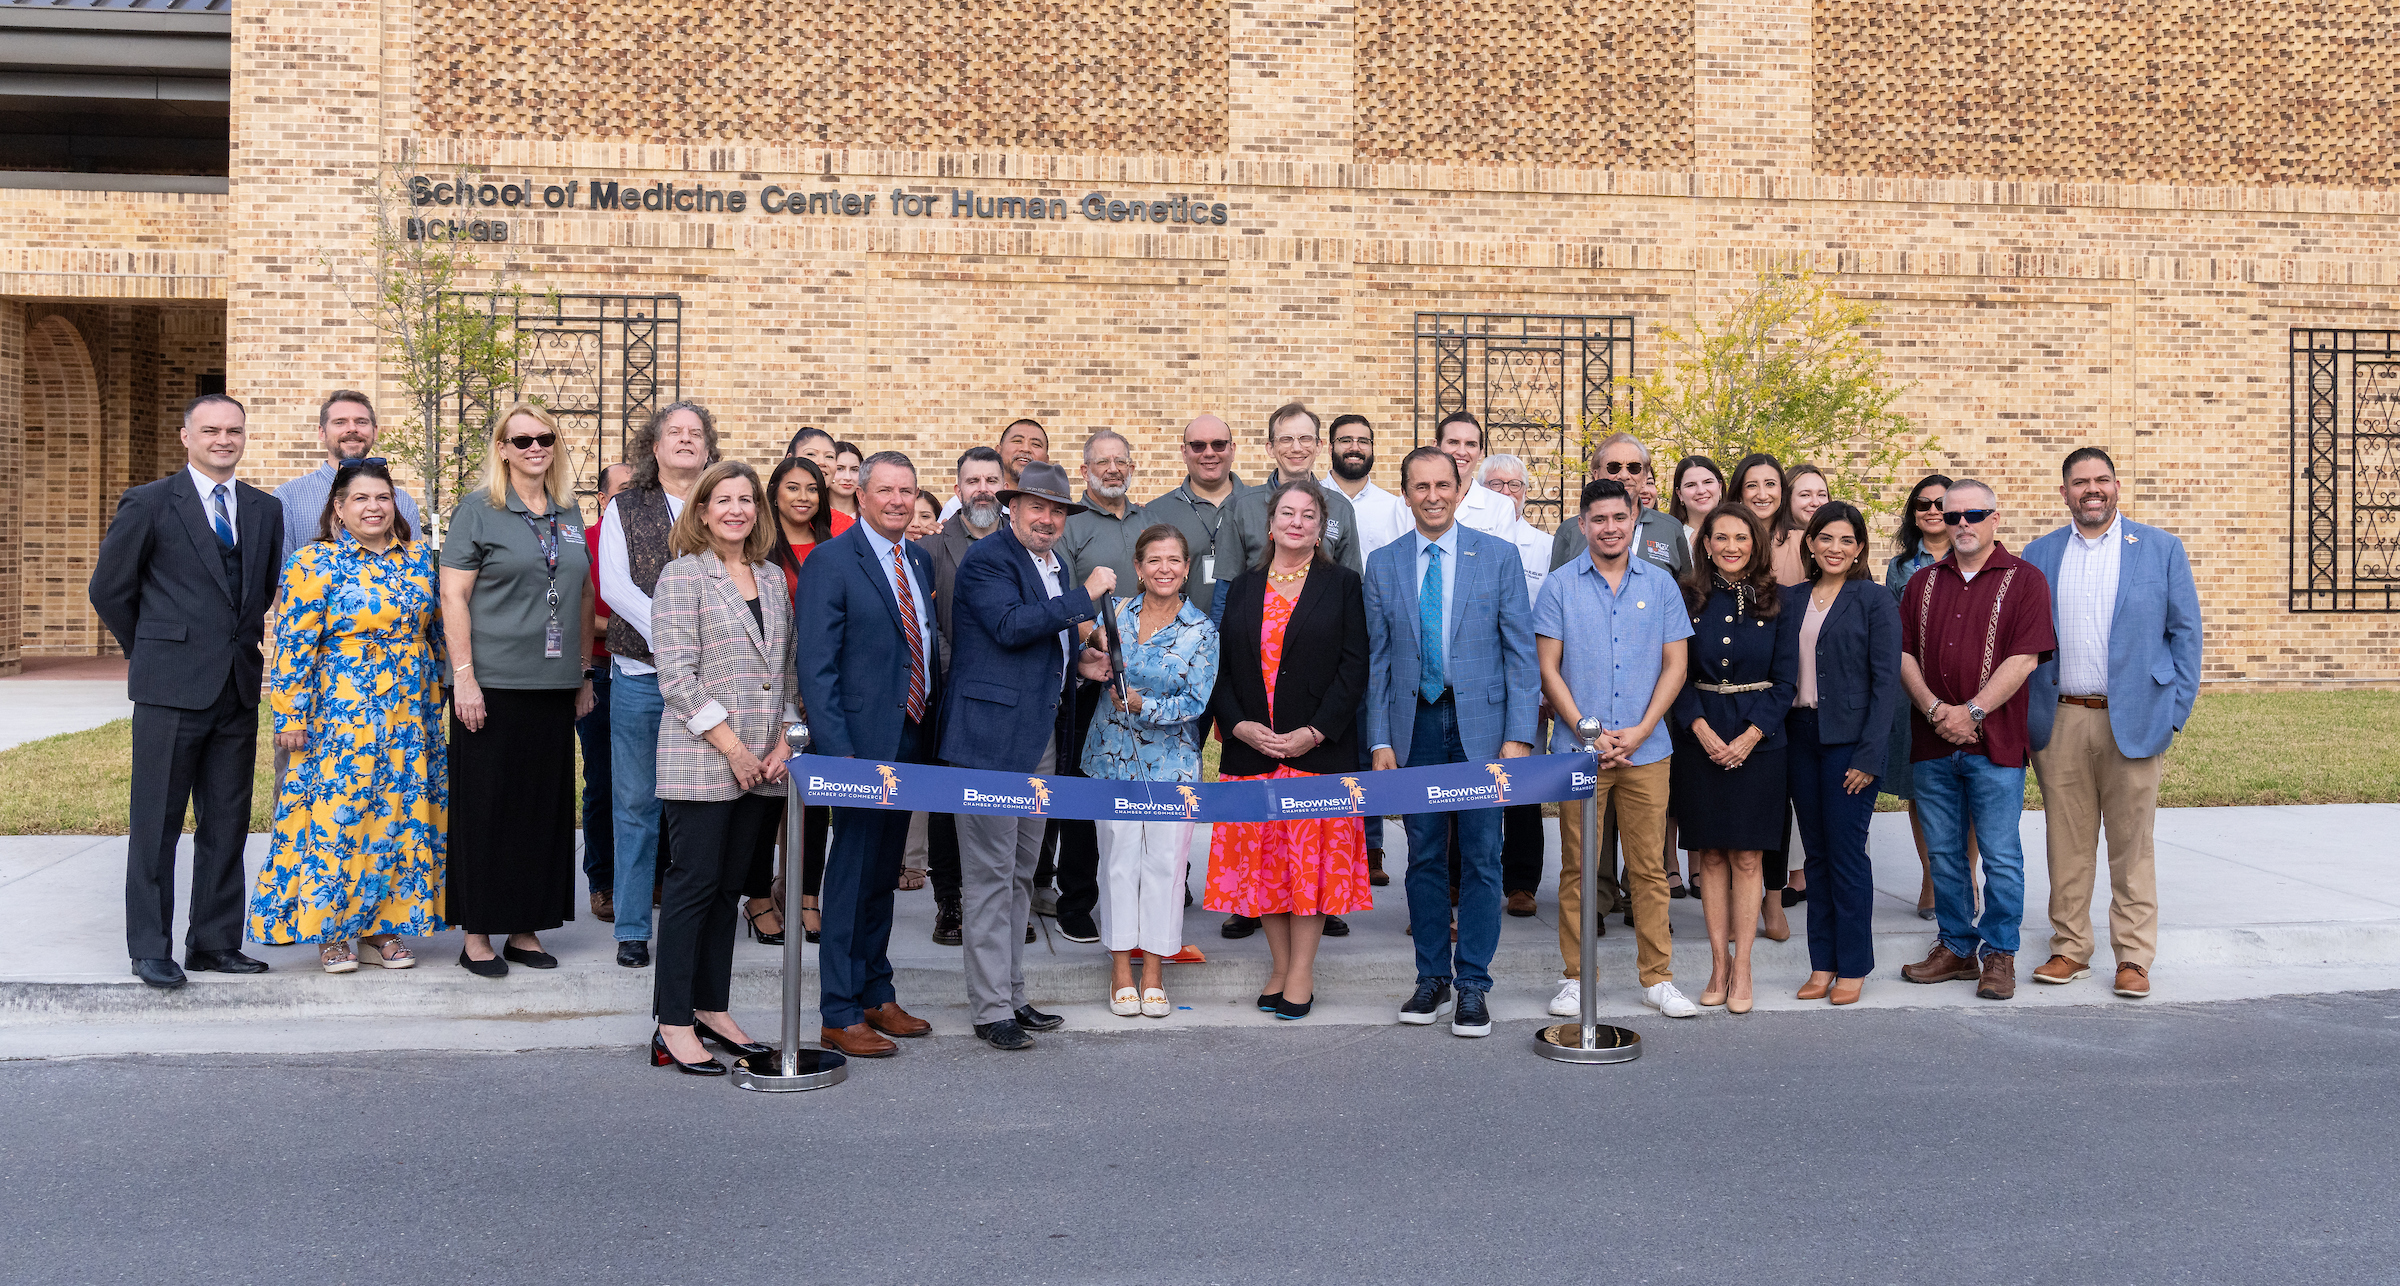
2345, 505
600, 363
1542, 386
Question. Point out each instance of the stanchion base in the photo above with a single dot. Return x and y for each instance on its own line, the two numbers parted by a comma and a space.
1564, 1043
814, 1069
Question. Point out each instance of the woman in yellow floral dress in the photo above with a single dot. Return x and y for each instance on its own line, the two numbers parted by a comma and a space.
357, 858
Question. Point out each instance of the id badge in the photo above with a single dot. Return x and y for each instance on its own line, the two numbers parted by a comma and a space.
1208, 569
552, 638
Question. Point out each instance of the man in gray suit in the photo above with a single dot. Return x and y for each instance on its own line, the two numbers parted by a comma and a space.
183, 580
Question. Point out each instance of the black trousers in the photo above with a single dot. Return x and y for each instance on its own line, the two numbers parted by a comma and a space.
205, 758
599, 831
941, 855
716, 844
815, 822
1521, 848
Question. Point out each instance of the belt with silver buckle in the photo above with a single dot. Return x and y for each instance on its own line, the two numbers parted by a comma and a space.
1728, 689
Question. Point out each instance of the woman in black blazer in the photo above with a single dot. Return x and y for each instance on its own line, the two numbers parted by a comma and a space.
1291, 672
1845, 630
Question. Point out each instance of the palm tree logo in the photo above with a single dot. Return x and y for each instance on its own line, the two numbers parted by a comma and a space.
1191, 801
1358, 794
1041, 794
1499, 776
891, 782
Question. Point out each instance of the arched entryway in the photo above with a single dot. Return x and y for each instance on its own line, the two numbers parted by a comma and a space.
59, 493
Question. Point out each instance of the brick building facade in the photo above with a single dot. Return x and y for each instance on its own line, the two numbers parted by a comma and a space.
2085, 223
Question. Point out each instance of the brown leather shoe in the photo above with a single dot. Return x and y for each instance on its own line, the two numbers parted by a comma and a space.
1941, 965
1816, 988
1375, 875
1846, 991
1999, 980
2058, 971
604, 906
857, 1041
1520, 905
890, 1019
2133, 981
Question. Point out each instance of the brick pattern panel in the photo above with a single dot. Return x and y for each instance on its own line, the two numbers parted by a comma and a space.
2185, 91
1146, 76
59, 492
1526, 82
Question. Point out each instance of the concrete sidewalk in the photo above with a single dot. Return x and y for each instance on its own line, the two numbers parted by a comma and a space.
32, 708
2256, 901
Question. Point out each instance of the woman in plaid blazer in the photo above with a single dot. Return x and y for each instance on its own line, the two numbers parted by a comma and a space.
720, 626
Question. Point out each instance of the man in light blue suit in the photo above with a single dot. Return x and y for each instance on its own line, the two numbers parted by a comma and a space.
1451, 678
2105, 708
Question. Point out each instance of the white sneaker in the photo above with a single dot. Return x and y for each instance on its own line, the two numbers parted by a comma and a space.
1665, 999
1568, 1003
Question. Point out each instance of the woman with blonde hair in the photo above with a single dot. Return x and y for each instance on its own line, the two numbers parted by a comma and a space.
519, 623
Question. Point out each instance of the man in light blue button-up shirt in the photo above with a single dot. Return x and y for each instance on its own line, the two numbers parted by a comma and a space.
1610, 629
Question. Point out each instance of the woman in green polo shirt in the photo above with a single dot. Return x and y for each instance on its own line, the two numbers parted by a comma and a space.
518, 618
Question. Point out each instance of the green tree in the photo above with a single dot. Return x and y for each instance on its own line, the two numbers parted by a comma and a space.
1786, 370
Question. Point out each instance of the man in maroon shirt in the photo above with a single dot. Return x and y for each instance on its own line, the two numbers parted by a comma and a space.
1972, 628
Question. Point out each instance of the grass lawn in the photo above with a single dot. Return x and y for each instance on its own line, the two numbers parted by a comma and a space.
2240, 748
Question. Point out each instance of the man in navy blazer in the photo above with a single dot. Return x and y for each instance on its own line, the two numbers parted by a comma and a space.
1010, 709
869, 652
183, 580
1451, 678
2105, 708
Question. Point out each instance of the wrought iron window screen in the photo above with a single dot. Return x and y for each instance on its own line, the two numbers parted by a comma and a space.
2345, 481
1541, 385
600, 363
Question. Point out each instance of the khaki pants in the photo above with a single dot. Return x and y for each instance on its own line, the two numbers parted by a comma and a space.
1640, 795
2087, 783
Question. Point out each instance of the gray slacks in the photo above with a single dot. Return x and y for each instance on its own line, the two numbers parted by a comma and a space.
996, 857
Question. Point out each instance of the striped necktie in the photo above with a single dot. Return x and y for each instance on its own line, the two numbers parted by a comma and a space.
916, 638
224, 520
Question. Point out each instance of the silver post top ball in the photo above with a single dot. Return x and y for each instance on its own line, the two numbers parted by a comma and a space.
796, 736
1588, 729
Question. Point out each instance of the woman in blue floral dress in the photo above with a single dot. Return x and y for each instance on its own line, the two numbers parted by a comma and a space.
357, 856
1149, 735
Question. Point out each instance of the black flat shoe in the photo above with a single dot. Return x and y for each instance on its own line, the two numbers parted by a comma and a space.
1004, 1034
492, 968
1032, 1019
1238, 926
1288, 1011
634, 955
166, 975
661, 1056
1269, 1001
222, 962
1336, 927
1793, 897
529, 959
1678, 891
739, 1048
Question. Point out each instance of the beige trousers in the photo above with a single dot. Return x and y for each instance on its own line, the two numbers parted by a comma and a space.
2087, 783
1640, 795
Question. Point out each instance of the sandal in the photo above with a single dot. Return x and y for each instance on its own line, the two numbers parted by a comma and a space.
1126, 1003
911, 879
1154, 1004
764, 937
337, 957
391, 953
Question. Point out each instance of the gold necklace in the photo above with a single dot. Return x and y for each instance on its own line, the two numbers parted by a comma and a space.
1286, 578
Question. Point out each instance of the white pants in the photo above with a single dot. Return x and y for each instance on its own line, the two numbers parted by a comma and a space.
1142, 867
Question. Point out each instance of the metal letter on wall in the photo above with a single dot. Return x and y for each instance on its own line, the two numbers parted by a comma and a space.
2345, 498
1542, 386
600, 363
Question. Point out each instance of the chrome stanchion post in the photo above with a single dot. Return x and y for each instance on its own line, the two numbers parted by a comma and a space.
791, 1067
1589, 1041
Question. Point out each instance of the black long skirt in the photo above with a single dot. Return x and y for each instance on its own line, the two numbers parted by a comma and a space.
512, 814
1714, 808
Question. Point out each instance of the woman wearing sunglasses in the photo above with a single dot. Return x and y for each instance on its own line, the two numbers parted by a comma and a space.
1924, 540
518, 621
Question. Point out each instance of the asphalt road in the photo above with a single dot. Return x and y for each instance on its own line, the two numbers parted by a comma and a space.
2250, 1142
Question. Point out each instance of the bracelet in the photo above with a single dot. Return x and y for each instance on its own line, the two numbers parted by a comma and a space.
462, 669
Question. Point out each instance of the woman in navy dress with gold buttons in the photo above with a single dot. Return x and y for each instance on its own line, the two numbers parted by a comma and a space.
1727, 783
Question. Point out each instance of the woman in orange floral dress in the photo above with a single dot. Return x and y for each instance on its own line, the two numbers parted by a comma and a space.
1291, 675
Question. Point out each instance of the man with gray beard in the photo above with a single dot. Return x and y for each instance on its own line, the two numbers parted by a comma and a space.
977, 495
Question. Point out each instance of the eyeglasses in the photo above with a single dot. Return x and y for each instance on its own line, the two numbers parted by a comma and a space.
1634, 469
1214, 446
523, 440
1505, 484
1928, 506
1953, 517
1287, 441
362, 462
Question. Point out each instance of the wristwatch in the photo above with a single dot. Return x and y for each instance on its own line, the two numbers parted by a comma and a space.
1933, 712
1975, 712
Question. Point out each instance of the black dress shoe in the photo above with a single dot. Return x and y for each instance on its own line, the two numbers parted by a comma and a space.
739, 1048
634, 955
1288, 1011
1078, 927
529, 959
1030, 936
946, 923
222, 962
1032, 1019
1336, 927
1004, 1034
1239, 926
1268, 1000
661, 1056
166, 975
1793, 897
492, 968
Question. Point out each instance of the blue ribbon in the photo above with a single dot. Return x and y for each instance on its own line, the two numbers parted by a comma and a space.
930, 788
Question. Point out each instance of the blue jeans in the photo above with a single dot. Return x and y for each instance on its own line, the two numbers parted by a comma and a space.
1952, 790
1435, 741
599, 797
1833, 833
634, 707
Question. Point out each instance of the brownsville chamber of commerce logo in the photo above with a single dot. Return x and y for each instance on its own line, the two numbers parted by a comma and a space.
1499, 775
1358, 794
1191, 801
1041, 794
891, 782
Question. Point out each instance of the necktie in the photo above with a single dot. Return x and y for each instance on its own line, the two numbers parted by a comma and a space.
1431, 677
916, 639
224, 520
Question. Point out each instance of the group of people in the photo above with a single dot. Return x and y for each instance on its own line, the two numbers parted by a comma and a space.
1745, 669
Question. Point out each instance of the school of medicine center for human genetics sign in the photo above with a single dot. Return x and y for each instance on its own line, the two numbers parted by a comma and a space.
491, 192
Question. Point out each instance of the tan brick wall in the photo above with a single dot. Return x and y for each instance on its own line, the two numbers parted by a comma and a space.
12, 473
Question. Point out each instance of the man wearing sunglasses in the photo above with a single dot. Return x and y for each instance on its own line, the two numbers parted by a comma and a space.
1197, 504
1659, 541
1972, 628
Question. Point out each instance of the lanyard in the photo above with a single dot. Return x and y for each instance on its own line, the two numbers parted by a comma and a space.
553, 640
1192, 498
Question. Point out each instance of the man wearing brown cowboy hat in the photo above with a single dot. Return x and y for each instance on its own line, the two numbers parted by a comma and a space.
1010, 708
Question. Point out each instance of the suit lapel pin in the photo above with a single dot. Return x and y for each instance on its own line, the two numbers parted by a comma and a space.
2132, 539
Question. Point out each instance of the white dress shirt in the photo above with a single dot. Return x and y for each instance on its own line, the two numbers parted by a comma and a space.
1382, 517
916, 592
1048, 565
208, 500
1487, 510
625, 600
2087, 606
1533, 546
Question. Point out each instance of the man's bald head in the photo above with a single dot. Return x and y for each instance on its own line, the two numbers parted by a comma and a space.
1207, 450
